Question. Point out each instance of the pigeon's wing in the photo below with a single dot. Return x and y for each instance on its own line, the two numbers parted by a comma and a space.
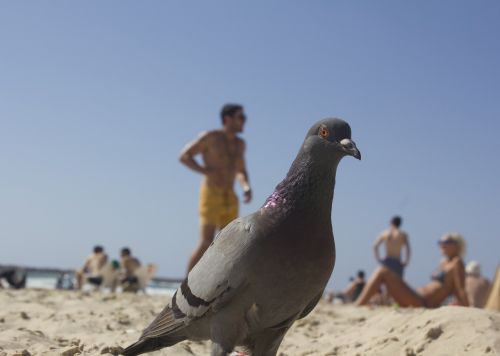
212, 282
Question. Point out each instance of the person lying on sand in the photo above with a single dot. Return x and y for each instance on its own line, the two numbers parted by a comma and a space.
449, 279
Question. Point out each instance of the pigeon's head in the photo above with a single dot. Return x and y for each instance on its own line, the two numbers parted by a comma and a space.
331, 136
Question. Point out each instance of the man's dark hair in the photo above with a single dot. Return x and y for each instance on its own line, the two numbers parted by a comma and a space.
396, 221
98, 249
361, 274
229, 110
125, 251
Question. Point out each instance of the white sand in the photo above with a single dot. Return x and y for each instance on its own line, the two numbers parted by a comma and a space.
45, 322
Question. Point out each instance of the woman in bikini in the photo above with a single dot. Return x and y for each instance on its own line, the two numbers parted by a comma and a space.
448, 280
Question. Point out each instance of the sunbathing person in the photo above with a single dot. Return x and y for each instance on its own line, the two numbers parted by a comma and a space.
353, 289
477, 287
130, 265
91, 270
448, 280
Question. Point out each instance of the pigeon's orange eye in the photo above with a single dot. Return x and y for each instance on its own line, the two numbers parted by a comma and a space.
323, 132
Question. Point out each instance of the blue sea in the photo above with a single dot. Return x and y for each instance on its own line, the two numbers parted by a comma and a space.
47, 280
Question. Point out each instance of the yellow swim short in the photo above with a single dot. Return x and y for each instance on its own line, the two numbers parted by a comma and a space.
218, 206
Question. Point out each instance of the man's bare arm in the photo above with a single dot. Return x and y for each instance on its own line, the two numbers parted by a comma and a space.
408, 250
242, 174
86, 265
191, 150
376, 246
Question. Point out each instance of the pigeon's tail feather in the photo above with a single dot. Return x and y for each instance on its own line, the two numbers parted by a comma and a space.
149, 345
165, 330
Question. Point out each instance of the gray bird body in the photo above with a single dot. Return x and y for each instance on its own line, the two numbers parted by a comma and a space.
265, 270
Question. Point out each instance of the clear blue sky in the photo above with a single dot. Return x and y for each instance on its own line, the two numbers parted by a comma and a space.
98, 98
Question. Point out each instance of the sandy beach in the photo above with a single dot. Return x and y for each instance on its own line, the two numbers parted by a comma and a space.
49, 322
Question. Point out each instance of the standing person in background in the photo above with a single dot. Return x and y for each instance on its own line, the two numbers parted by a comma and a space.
222, 153
394, 240
476, 286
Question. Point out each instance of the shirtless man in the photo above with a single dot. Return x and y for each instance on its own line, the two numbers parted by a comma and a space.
91, 269
222, 153
129, 265
394, 240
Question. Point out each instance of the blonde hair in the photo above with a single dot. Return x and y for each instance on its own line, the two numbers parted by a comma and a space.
458, 239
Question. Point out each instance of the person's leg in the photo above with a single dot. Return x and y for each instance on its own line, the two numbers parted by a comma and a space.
210, 209
115, 280
402, 293
230, 211
371, 288
79, 279
396, 287
207, 233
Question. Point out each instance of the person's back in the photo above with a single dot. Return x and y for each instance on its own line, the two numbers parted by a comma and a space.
394, 241
476, 286
130, 265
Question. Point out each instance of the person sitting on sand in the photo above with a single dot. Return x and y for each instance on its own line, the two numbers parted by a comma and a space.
91, 270
476, 286
130, 265
394, 240
14, 277
353, 289
448, 280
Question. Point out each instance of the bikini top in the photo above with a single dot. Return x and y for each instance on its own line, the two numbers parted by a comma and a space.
439, 276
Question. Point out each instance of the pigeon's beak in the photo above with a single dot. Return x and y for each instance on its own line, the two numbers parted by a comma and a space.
350, 148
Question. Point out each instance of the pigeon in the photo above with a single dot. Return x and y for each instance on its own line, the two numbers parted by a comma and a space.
265, 270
